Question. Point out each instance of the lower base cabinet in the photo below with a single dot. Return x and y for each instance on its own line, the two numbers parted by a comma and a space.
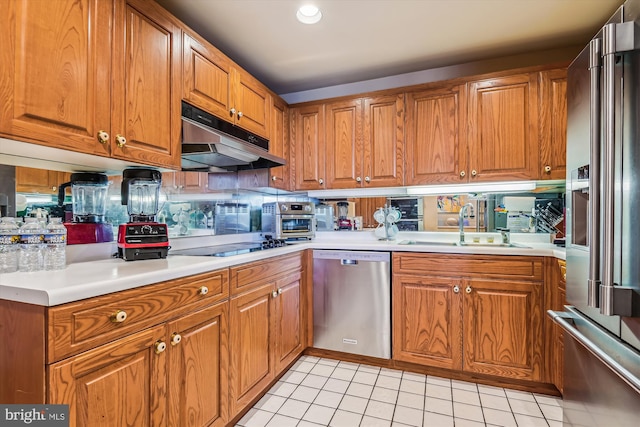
477, 314
268, 327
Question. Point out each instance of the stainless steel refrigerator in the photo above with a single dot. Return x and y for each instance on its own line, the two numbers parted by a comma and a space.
602, 319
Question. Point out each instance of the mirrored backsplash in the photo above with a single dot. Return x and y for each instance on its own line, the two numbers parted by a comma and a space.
200, 211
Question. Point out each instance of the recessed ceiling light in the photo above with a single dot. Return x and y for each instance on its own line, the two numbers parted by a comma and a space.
309, 14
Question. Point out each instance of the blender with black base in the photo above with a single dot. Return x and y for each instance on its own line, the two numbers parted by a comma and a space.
86, 223
142, 237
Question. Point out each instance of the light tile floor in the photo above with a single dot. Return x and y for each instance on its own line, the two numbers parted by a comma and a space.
324, 392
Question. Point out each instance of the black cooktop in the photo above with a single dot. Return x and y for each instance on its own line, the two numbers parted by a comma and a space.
231, 249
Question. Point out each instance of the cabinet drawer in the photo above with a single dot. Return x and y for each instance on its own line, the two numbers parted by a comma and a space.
248, 276
85, 324
511, 266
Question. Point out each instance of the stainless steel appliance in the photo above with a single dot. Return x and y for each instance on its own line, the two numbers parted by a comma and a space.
352, 302
232, 218
212, 144
411, 209
289, 220
602, 346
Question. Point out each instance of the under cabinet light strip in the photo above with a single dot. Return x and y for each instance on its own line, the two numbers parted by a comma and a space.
485, 187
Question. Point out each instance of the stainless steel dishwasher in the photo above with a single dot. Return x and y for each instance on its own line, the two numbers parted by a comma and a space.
352, 302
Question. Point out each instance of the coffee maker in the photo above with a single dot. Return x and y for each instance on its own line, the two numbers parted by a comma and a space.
142, 237
85, 223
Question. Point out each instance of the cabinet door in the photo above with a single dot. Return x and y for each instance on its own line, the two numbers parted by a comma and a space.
503, 128
207, 76
553, 124
279, 145
309, 154
119, 384
290, 324
146, 98
55, 72
343, 142
250, 346
252, 103
384, 141
503, 328
198, 362
436, 142
427, 321
32, 180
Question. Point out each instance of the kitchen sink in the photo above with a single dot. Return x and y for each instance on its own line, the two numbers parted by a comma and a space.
468, 244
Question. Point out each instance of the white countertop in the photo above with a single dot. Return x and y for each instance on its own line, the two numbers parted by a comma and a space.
87, 279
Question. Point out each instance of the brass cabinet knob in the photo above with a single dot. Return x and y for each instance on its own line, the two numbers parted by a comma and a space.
321, 181
103, 137
274, 294
274, 178
203, 290
232, 111
468, 289
474, 173
160, 346
358, 179
121, 140
279, 291
176, 338
367, 179
547, 169
462, 174
119, 316
456, 289
240, 114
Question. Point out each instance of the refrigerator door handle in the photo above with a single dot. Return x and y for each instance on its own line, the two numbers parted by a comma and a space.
608, 187
567, 321
595, 68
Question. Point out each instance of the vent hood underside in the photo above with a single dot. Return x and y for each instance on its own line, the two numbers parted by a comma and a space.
207, 149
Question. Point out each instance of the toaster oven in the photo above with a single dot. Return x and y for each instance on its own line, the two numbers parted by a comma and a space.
289, 220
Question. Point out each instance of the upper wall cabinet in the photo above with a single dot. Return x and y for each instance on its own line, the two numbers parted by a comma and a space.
503, 128
553, 124
435, 139
75, 75
362, 143
213, 83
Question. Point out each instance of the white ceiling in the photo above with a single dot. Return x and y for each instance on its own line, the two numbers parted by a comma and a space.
358, 40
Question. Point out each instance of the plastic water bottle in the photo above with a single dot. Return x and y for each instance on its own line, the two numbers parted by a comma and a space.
31, 246
9, 239
55, 250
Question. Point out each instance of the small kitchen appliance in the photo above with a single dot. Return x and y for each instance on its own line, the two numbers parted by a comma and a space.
86, 224
324, 217
142, 237
344, 223
289, 220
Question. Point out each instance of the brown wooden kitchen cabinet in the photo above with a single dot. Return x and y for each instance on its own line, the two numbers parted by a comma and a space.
308, 143
93, 92
555, 299
268, 326
436, 142
343, 144
278, 177
43, 181
553, 124
216, 84
154, 355
503, 128
478, 314
185, 182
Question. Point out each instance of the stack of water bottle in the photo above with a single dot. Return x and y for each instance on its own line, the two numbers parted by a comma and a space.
33, 246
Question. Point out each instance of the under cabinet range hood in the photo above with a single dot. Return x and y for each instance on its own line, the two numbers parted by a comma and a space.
211, 144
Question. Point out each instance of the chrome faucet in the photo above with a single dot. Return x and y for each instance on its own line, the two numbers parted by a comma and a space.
461, 220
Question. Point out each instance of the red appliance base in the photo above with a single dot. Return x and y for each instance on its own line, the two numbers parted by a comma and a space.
88, 232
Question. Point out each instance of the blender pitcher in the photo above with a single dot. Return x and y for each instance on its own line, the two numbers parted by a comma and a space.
141, 193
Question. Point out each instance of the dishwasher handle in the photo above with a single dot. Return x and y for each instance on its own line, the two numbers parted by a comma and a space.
348, 262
